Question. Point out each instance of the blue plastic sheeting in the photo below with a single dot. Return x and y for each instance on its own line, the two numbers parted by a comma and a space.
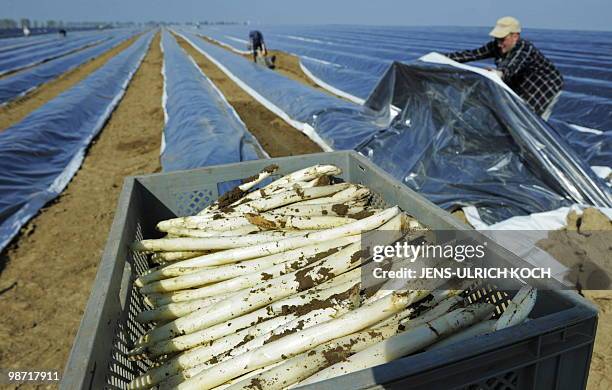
42, 44
27, 43
21, 83
594, 147
462, 139
584, 58
338, 124
201, 129
16, 34
61, 48
42, 153
15, 42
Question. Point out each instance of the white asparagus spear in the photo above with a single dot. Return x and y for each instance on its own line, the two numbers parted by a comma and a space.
227, 272
440, 304
194, 279
186, 232
478, 329
240, 282
173, 311
518, 308
438, 310
308, 363
339, 285
246, 376
337, 308
316, 222
214, 293
406, 342
333, 209
241, 190
305, 321
162, 257
264, 192
296, 343
261, 294
303, 178
305, 174
260, 250
235, 221
200, 355
302, 175
290, 196
211, 243
353, 192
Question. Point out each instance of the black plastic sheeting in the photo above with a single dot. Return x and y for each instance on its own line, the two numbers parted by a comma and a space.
201, 129
21, 83
42, 153
461, 139
59, 48
339, 124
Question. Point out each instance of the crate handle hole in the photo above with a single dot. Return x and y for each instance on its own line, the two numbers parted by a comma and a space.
360, 167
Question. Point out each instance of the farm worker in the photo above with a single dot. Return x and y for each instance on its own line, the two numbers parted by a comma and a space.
26, 31
62, 32
257, 43
520, 65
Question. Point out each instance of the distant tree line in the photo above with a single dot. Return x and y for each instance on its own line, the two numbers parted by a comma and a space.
55, 24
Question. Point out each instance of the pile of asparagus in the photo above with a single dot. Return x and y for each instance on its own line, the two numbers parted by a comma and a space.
263, 290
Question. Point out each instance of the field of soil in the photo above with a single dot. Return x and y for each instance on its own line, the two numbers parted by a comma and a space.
14, 112
47, 271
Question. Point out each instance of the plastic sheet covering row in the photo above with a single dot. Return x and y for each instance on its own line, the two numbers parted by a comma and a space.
21, 83
42, 44
7, 46
60, 47
365, 52
201, 127
56, 43
333, 123
462, 139
42, 153
349, 61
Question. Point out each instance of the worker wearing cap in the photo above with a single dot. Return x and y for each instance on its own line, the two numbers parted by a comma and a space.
520, 65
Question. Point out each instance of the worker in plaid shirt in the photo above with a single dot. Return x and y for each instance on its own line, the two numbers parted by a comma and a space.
520, 65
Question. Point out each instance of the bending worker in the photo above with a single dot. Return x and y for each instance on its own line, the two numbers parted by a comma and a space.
257, 43
520, 65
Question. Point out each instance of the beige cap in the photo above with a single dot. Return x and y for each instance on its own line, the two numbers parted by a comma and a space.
505, 26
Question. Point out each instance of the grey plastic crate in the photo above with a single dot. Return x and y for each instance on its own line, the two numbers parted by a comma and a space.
551, 351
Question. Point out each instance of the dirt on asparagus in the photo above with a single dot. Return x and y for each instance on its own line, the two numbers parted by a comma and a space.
274, 134
15, 111
46, 274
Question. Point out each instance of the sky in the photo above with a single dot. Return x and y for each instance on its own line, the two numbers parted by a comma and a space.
556, 14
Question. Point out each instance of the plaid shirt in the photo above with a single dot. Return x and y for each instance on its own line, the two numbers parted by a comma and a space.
525, 69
